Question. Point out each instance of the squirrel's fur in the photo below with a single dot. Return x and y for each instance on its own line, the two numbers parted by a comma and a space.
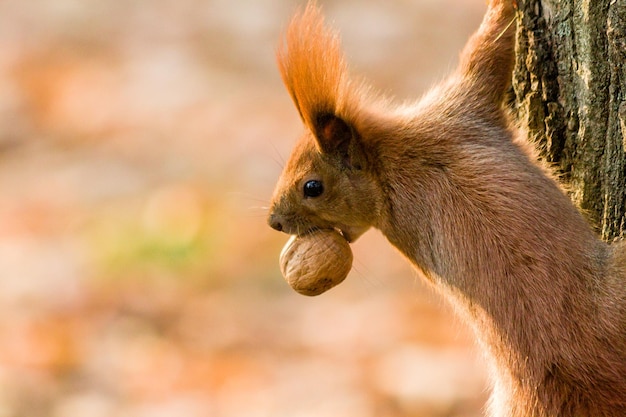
451, 183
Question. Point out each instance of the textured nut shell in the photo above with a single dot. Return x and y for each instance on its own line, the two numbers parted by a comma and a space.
316, 262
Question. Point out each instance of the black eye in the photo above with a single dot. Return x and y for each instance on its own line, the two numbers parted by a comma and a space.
313, 188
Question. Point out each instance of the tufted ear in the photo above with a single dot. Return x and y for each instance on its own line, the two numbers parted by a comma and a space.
337, 138
333, 134
314, 71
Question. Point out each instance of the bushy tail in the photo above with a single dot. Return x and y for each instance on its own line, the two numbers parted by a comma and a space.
487, 59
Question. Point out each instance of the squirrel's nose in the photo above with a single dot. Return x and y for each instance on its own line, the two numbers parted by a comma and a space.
275, 222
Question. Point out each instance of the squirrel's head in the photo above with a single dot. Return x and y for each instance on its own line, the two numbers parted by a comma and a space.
328, 183
329, 180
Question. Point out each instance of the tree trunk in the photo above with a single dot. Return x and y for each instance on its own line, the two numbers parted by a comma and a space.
570, 93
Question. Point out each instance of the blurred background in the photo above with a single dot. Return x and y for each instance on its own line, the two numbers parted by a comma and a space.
139, 145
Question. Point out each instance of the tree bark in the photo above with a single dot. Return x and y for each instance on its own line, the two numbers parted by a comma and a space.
570, 94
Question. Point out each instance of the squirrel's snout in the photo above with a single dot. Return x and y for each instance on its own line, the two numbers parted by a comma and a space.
275, 222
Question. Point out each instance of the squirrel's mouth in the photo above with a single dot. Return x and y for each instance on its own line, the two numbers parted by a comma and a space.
286, 225
350, 233
345, 234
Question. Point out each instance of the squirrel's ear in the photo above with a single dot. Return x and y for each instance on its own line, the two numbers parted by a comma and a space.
337, 138
332, 133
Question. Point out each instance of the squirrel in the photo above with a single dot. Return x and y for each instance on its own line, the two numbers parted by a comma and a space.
455, 187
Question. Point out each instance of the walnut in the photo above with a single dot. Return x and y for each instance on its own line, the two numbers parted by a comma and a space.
316, 262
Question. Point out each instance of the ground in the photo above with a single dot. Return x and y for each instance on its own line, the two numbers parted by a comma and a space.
139, 145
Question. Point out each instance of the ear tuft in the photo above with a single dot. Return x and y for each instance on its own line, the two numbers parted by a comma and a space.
314, 71
312, 66
337, 138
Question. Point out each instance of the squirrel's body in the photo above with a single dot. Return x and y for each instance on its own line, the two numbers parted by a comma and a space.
451, 186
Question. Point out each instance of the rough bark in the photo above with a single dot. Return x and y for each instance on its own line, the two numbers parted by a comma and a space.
570, 93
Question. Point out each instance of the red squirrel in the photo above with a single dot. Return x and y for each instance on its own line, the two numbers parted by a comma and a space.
453, 185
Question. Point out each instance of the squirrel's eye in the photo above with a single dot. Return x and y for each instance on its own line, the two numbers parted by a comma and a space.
313, 188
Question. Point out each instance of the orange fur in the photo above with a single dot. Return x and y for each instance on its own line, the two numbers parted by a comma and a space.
451, 185
313, 68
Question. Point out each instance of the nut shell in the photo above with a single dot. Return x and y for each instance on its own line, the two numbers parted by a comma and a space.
316, 262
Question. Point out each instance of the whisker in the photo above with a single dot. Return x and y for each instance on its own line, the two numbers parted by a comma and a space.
264, 208
281, 160
248, 196
253, 216
370, 282
252, 211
